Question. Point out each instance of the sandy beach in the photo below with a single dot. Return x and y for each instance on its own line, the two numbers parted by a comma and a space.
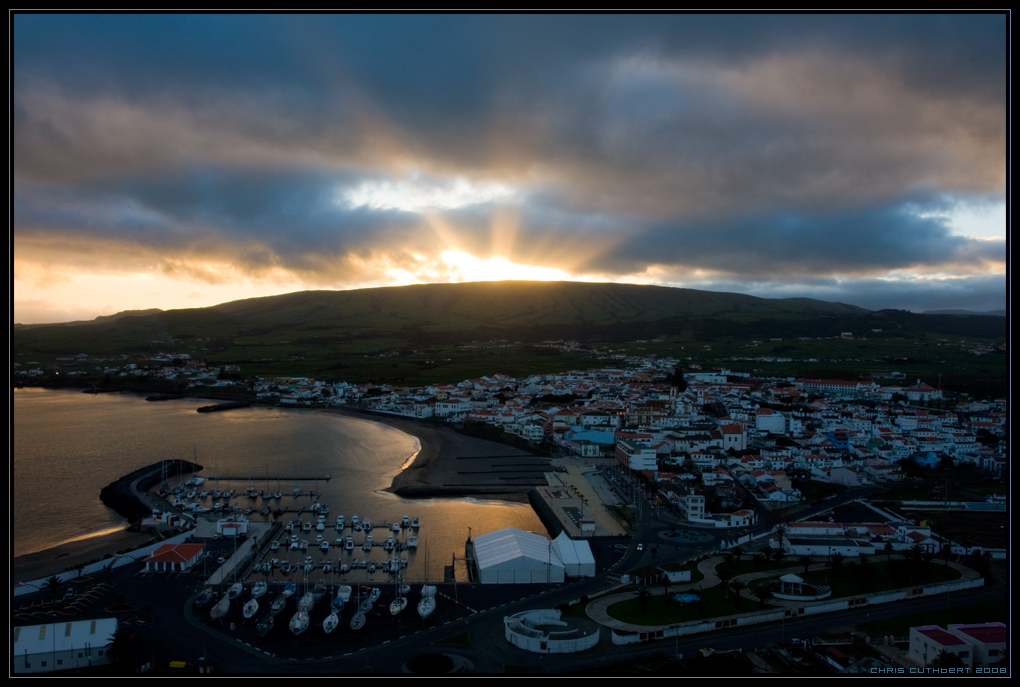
42, 564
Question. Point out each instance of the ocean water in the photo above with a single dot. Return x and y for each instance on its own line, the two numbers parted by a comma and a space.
68, 445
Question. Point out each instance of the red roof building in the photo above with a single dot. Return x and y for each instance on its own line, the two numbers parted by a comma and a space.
174, 557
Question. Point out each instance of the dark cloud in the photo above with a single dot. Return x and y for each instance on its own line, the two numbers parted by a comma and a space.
980, 293
755, 147
868, 241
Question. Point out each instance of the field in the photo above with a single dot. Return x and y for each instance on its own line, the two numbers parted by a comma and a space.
449, 332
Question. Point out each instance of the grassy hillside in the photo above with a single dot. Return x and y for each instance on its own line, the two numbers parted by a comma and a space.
445, 332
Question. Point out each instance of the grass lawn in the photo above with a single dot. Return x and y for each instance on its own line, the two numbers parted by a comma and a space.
663, 610
879, 576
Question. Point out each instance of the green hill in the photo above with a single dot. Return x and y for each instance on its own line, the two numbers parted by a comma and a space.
432, 331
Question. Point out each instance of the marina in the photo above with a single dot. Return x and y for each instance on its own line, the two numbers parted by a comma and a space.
80, 440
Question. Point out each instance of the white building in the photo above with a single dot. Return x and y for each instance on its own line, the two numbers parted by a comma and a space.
513, 556
62, 646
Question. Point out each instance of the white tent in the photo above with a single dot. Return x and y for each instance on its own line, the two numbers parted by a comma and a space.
576, 555
513, 556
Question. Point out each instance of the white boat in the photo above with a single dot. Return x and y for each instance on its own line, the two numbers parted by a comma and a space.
288, 590
275, 545
330, 623
235, 590
279, 603
336, 604
374, 595
220, 609
344, 592
412, 542
250, 609
414, 524
265, 625
405, 521
428, 600
259, 589
306, 602
426, 607
397, 605
359, 619
319, 590
299, 622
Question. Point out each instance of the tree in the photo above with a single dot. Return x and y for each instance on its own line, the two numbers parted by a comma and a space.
836, 563
53, 584
757, 557
805, 561
737, 586
763, 593
724, 573
946, 659
121, 649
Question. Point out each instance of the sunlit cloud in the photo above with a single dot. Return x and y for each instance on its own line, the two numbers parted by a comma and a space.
417, 194
759, 154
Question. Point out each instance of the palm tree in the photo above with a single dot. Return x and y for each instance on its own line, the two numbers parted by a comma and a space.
836, 563
779, 555
737, 586
806, 561
53, 584
763, 593
724, 573
122, 646
757, 557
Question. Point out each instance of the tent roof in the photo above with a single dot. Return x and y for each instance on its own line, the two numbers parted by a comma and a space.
573, 552
500, 548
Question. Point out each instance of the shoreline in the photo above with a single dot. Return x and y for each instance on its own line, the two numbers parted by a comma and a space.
428, 467
39, 565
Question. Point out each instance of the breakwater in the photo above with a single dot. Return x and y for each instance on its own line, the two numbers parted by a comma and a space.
229, 405
122, 495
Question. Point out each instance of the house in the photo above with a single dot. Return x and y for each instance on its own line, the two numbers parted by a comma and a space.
928, 641
990, 641
174, 557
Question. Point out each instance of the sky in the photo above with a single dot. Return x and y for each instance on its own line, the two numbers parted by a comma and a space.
177, 161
